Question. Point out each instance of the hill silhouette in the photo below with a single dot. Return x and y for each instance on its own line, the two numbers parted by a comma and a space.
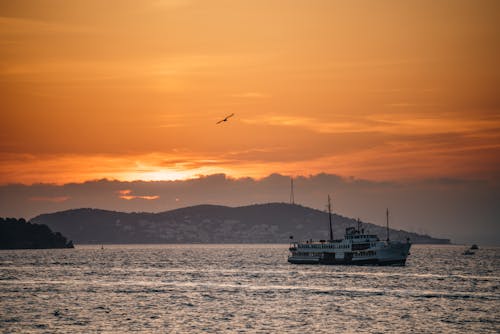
19, 234
262, 223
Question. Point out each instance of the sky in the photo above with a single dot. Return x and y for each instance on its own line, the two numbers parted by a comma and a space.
397, 92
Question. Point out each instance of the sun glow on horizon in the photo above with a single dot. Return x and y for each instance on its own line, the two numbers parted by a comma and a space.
364, 165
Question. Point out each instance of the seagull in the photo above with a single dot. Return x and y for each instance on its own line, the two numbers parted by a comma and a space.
225, 119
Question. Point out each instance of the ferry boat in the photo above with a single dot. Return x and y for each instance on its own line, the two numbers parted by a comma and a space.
356, 248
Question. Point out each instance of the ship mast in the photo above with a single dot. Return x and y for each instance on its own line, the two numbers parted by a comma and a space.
387, 220
330, 217
292, 197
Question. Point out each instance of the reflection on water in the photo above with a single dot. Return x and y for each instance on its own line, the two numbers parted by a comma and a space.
244, 288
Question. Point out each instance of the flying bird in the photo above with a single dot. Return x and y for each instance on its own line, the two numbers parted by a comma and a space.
225, 119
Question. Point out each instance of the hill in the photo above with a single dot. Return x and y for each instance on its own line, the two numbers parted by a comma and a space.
263, 223
19, 234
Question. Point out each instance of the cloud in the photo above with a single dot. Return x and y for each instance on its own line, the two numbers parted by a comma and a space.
402, 105
424, 148
126, 194
394, 124
309, 123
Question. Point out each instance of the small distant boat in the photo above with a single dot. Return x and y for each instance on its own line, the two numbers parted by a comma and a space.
468, 252
474, 246
356, 248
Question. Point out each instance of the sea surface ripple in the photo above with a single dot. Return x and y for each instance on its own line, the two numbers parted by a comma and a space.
244, 289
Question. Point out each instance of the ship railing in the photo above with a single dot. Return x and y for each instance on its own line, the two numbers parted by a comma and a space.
314, 242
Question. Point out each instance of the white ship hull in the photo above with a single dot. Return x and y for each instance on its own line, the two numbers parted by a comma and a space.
393, 254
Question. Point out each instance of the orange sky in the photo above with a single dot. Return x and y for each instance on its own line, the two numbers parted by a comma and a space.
381, 90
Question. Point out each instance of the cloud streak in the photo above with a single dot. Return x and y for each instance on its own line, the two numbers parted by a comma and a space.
126, 194
394, 124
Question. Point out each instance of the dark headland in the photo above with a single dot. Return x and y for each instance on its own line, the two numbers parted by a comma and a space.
20, 234
261, 223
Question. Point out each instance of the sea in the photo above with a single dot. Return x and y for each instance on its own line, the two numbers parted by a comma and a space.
199, 288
